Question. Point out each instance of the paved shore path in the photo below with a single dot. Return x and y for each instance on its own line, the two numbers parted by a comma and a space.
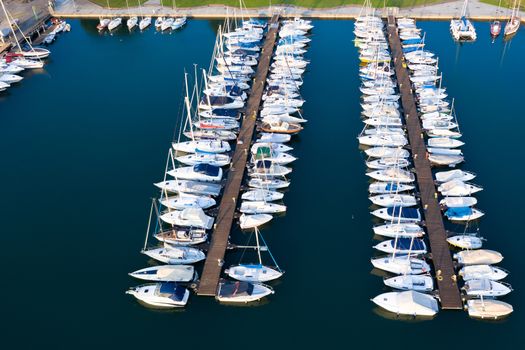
448, 10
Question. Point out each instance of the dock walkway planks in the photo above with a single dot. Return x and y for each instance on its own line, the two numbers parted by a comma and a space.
442, 260
219, 242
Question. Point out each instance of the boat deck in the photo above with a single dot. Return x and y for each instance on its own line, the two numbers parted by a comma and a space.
441, 257
219, 241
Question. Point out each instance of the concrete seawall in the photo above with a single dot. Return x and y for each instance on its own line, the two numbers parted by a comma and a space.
444, 11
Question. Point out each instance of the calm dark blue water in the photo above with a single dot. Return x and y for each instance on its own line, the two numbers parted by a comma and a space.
83, 142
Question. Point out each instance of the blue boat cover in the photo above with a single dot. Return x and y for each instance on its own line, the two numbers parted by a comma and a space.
458, 212
224, 112
172, 290
404, 244
216, 100
266, 164
206, 169
407, 213
230, 288
412, 41
391, 187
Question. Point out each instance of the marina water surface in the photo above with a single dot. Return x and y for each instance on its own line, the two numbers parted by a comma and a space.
83, 141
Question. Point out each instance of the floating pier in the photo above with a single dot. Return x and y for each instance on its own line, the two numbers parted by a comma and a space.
219, 240
449, 294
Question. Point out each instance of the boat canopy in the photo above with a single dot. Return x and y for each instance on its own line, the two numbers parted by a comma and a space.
410, 213
172, 290
263, 152
230, 289
224, 112
458, 212
206, 169
407, 243
263, 164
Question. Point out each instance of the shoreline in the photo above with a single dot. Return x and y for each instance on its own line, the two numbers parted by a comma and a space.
443, 11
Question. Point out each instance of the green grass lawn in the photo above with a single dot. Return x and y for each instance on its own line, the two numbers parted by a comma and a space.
504, 3
265, 3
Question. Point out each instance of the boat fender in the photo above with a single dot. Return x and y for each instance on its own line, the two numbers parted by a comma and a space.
193, 286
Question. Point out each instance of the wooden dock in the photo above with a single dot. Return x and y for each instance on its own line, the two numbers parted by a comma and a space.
441, 257
219, 241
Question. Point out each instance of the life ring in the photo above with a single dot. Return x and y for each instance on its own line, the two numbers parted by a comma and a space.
440, 278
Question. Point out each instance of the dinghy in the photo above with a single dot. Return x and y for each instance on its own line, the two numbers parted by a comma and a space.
465, 241
241, 292
407, 230
189, 217
488, 309
166, 273
402, 246
411, 282
473, 272
408, 303
164, 295
478, 257
175, 255
401, 265
182, 236
255, 220
398, 214
486, 288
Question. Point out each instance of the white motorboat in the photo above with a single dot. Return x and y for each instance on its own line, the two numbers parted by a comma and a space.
388, 188
215, 159
385, 163
166, 273
446, 176
387, 140
463, 214
10, 68
411, 282
186, 200
444, 142
408, 303
444, 151
198, 172
401, 265
202, 146
402, 246
188, 186
274, 138
262, 195
178, 23
255, 220
267, 168
103, 23
175, 255
465, 241
261, 207
182, 236
3, 86
407, 230
472, 272
276, 147
268, 184
189, 217
392, 175
488, 308
446, 160
457, 202
10, 78
387, 152
280, 158
486, 288
165, 294
444, 133
144, 23
166, 24
132, 22
458, 188
478, 257
158, 22
114, 23
398, 214
391, 200
241, 292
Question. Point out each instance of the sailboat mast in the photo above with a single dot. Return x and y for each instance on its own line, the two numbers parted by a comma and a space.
11, 25
258, 245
